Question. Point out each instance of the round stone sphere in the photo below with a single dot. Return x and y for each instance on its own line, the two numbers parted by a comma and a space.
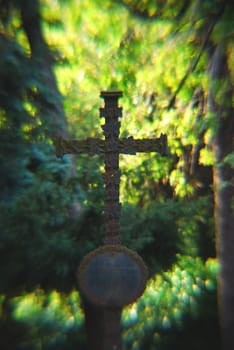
112, 276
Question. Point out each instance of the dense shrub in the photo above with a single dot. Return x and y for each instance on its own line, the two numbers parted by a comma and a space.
178, 307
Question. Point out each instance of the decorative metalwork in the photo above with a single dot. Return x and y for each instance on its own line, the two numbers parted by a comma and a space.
111, 276
92, 146
111, 147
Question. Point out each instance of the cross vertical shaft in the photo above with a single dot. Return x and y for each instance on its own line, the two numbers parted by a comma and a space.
111, 112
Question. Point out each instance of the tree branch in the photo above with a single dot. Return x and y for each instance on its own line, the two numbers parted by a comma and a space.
193, 65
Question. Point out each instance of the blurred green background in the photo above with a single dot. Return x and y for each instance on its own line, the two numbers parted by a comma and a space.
56, 57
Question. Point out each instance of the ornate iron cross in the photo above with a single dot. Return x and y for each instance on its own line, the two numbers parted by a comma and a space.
111, 147
111, 276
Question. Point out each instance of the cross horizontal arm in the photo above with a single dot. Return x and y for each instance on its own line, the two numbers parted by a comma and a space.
93, 146
131, 146
89, 146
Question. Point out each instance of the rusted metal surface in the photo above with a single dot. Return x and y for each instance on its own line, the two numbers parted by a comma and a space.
112, 275
111, 147
93, 146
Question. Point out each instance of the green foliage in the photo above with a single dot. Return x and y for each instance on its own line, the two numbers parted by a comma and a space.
178, 307
45, 321
42, 247
153, 233
162, 230
38, 244
157, 53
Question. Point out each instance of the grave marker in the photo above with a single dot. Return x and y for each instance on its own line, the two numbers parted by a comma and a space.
111, 276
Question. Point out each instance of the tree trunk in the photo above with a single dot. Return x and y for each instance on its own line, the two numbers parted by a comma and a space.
52, 108
40, 54
219, 104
